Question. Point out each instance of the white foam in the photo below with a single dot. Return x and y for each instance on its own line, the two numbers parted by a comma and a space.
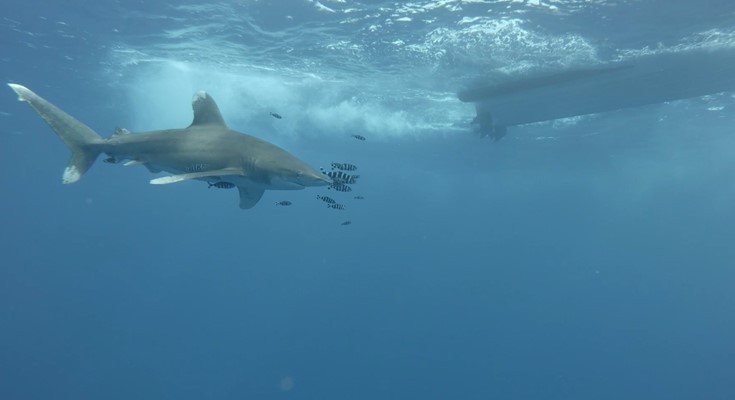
321, 7
366, 75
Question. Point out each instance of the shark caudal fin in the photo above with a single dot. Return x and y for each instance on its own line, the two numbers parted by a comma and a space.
80, 138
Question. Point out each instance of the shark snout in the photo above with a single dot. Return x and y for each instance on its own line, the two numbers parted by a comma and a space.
321, 179
306, 177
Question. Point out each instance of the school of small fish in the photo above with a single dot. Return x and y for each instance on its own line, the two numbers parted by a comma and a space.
342, 181
340, 187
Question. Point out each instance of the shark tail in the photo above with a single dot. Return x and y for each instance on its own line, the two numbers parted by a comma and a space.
83, 142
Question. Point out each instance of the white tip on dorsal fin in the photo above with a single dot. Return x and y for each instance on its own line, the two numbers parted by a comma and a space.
206, 111
133, 162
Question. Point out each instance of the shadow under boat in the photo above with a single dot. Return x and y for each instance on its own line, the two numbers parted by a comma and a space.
635, 82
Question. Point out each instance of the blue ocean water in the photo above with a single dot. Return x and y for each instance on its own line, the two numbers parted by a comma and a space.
588, 258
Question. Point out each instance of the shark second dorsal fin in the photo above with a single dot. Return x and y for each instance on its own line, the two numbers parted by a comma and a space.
206, 111
120, 132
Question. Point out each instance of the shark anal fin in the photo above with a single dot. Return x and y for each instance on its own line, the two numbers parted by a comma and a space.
195, 175
249, 196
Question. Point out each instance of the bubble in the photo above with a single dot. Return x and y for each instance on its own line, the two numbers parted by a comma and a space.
286, 383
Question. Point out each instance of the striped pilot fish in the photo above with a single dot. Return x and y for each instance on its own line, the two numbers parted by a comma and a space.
336, 206
339, 177
326, 199
222, 185
341, 187
344, 166
199, 167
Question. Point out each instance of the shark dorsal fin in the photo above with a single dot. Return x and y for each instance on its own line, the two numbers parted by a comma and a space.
206, 111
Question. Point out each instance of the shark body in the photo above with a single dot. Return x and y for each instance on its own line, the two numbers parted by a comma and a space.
206, 150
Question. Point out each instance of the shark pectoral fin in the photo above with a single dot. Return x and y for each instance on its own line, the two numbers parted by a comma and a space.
195, 175
249, 196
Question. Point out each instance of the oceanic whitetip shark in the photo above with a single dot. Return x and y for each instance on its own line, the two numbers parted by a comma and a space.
206, 150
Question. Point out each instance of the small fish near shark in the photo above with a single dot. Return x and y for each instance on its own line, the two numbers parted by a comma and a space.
206, 150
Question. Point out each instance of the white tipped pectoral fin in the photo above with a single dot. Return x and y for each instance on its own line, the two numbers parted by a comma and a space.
195, 175
24, 94
249, 196
164, 180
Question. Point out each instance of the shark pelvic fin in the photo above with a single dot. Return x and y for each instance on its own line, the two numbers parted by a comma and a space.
195, 175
